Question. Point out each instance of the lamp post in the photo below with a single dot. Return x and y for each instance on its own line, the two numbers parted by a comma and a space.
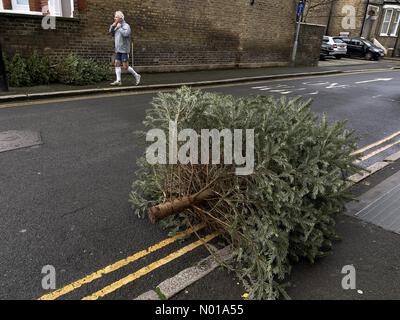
3, 74
328, 25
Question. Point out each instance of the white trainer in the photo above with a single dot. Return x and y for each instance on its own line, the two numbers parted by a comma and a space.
116, 83
138, 79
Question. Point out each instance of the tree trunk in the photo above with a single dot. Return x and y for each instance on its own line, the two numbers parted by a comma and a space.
167, 209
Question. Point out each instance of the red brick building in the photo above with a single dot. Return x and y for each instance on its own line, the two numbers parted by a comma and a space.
167, 34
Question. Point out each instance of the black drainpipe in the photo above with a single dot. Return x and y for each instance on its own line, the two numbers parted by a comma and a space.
329, 19
396, 46
3, 74
365, 17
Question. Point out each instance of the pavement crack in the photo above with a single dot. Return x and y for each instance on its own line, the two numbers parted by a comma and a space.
73, 211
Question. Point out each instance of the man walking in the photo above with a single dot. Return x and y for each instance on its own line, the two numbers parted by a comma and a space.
121, 32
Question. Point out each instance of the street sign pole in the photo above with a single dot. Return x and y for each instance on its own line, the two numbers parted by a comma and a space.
299, 14
3, 74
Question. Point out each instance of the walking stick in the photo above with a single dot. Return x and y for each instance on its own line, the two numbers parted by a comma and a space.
133, 61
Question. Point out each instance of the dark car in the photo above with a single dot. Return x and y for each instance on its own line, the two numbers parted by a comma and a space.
362, 48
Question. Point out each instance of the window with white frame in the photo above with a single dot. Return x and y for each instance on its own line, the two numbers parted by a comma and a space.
55, 8
386, 22
394, 26
61, 8
391, 22
72, 8
20, 5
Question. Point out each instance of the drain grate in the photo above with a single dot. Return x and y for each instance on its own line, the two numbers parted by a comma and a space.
13, 140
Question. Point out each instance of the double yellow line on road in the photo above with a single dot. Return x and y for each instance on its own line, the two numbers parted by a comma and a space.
376, 144
140, 273
122, 263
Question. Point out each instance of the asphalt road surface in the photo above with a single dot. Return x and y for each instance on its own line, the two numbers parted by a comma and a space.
64, 203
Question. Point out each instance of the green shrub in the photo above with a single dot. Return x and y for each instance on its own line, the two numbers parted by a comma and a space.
38, 68
30, 71
75, 70
282, 212
17, 73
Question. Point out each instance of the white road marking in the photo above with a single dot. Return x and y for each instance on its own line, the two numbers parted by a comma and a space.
375, 80
335, 85
284, 89
316, 83
332, 85
262, 87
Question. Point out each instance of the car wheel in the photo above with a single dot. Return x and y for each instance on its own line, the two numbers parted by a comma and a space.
369, 56
338, 57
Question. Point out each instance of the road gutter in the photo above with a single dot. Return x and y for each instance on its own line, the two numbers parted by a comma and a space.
172, 286
377, 166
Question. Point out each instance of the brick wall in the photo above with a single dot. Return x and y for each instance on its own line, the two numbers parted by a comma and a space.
310, 38
317, 11
169, 34
323, 13
338, 16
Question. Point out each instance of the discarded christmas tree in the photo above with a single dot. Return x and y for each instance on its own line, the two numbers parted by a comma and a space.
281, 212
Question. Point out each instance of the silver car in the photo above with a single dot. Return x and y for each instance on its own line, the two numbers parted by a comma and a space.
333, 47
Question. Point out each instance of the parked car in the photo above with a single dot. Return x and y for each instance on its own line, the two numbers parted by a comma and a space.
333, 47
359, 47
